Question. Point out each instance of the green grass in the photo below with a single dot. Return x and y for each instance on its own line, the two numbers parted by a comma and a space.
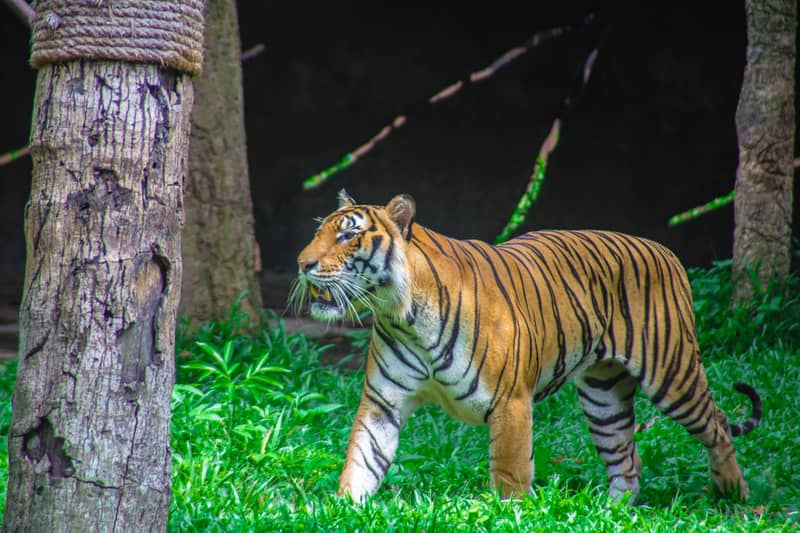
261, 420
8, 372
770, 319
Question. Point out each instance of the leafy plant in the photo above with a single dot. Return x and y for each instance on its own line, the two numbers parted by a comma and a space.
284, 479
8, 373
770, 318
240, 397
260, 428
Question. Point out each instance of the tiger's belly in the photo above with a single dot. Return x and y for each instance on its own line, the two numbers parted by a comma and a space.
470, 409
456, 377
554, 376
467, 396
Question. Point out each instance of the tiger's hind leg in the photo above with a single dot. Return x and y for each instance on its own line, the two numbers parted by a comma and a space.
687, 400
606, 391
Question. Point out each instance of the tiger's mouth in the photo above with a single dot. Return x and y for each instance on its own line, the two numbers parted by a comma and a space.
320, 295
323, 304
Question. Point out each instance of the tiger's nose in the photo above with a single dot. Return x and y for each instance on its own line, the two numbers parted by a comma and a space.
306, 264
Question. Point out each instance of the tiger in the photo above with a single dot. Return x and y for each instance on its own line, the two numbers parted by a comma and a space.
486, 331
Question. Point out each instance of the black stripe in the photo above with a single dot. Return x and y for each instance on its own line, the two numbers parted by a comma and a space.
600, 433
515, 340
446, 355
594, 401
527, 261
387, 259
668, 375
385, 373
375, 396
387, 339
619, 448
690, 394
568, 250
590, 244
605, 384
473, 386
444, 297
704, 408
381, 460
434, 239
615, 462
627, 414
493, 403
372, 471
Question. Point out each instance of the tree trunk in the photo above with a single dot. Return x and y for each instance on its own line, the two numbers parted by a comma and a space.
219, 247
765, 125
89, 439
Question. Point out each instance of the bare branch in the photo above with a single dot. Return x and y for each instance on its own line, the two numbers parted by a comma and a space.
475, 77
22, 10
252, 52
13, 155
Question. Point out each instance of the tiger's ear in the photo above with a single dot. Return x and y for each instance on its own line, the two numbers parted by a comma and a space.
345, 200
401, 209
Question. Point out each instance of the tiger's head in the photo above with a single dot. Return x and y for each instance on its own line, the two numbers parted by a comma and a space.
357, 261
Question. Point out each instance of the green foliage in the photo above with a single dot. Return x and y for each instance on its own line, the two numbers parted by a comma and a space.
260, 427
283, 478
240, 402
701, 210
8, 373
770, 319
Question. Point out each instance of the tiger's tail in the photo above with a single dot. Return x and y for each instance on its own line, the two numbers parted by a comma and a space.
746, 427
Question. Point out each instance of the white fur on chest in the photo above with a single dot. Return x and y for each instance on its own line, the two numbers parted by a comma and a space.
444, 372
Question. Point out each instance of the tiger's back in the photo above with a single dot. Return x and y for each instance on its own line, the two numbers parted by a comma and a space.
487, 330
612, 296
570, 297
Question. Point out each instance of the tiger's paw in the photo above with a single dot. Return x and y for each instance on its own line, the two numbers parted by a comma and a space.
355, 496
726, 476
733, 489
624, 489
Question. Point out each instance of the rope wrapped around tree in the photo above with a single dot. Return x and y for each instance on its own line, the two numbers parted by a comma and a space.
169, 33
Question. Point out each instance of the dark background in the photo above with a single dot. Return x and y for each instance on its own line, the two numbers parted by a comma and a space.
653, 134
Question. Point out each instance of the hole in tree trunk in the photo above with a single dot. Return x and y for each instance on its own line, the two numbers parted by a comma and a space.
42, 442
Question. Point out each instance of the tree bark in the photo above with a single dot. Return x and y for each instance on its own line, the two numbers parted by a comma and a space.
765, 126
219, 247
89, 438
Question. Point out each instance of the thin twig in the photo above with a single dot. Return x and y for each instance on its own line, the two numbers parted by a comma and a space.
475, 77
13, 155
531, 193
713, 205
250, 53
22, 10
700, 210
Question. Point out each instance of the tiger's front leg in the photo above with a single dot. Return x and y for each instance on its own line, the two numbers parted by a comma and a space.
511, 447
373, 440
